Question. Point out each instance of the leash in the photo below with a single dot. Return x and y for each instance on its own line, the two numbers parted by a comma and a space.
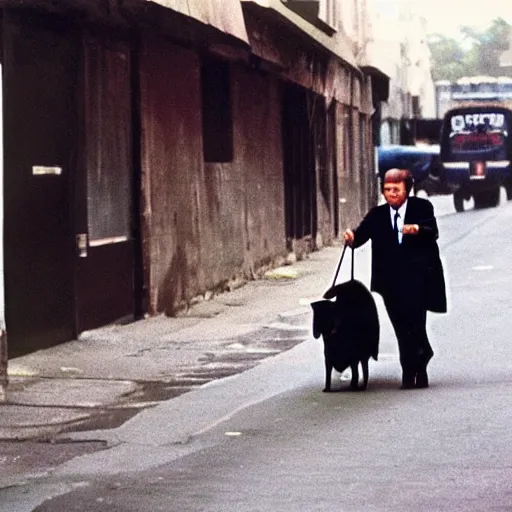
329, 294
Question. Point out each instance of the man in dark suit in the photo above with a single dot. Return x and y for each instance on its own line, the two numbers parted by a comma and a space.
406, 269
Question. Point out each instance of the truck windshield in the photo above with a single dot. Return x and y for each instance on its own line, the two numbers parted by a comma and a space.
477, 135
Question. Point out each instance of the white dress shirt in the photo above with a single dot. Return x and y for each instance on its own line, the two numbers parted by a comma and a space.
400, 220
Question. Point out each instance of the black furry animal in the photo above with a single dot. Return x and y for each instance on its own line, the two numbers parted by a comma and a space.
349, 326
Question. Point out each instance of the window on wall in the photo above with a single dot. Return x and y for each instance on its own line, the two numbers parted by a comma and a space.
108, 145
328, 12
217, 114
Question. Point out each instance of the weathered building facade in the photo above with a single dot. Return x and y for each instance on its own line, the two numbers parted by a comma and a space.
399, 40
155, 152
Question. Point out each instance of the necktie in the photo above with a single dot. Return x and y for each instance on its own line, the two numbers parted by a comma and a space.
395, 225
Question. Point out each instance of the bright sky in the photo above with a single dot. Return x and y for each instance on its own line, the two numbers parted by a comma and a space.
445, 16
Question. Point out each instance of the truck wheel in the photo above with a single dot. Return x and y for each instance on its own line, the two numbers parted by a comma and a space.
458, 201
494, 197
508, 189
487, 198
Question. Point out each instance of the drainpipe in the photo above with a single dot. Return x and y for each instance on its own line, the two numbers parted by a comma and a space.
3, 331
3, 365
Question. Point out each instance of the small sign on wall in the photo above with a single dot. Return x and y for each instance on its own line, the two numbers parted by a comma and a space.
41, 170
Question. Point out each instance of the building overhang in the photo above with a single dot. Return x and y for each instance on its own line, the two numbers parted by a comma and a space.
374, 56
223, 15
380, 82
275, 10
223, 19
375, 63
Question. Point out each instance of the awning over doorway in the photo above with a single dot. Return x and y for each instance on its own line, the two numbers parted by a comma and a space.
376, 62
380, 83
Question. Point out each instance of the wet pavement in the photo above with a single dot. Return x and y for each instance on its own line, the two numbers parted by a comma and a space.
122, 373
109, 375
91, 403
48, 403
36, 458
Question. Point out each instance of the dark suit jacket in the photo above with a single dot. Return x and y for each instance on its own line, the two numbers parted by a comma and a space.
416, 258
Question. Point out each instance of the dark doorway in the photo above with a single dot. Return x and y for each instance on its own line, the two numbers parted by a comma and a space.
299, 164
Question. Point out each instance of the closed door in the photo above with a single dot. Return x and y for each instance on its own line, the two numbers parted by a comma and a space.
40, 133
104, 209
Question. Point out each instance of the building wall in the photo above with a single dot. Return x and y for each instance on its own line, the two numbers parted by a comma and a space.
397, 41
353, 21
356, 172
357, 175
312, 68
206, 224
172, 171
420, 83
258, 152
243, 214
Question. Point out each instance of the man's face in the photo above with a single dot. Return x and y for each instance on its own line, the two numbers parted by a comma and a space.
395, 194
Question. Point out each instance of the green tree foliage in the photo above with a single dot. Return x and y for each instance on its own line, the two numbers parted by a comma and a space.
478, 53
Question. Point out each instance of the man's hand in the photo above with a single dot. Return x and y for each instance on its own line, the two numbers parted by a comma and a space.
410, 229
348, 236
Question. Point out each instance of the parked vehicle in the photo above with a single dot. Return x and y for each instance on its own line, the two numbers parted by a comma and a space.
476, 154
423, 162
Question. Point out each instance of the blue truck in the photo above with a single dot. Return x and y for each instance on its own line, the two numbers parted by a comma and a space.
423, 161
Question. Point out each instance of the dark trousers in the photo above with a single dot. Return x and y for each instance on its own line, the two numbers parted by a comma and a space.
409, 317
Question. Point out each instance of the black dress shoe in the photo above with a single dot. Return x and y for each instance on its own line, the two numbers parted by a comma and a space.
422, 379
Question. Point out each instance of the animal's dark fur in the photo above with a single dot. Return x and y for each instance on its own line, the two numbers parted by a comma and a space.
349, 326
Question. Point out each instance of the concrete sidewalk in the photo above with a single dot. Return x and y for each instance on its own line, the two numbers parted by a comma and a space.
109, 374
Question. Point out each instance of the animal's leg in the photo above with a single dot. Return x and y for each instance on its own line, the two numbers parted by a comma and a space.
364, 364
354, 382
328, 371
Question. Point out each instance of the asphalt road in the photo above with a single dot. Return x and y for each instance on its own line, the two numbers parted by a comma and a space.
277, 443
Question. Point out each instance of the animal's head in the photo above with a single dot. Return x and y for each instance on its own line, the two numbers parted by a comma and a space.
323, 317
